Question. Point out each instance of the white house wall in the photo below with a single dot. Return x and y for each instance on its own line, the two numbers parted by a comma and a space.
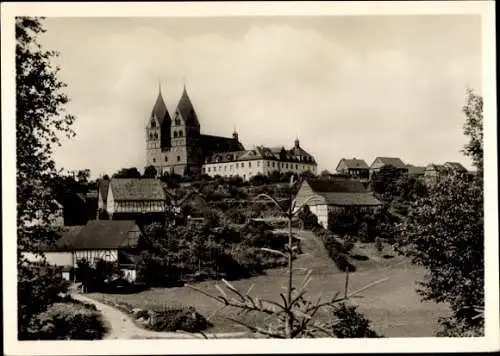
250, 168
321, 211
93, 255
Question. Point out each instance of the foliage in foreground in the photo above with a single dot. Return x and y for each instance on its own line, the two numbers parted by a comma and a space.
40, 120
445, 233
294, 315
68, 320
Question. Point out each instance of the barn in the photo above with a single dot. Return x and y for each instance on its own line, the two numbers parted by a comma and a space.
109, 240
333, 195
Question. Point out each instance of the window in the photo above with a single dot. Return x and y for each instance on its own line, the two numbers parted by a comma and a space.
154, 160
208, 169
296, 166
178, 158
156, 135
180, 133
175, 133
177, 120
273, 164
282, 165
249, 164
153, 123
268, 163
166, 159
242, 164
258, 163
151, 136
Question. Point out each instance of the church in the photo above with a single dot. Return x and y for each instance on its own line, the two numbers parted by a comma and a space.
176, 145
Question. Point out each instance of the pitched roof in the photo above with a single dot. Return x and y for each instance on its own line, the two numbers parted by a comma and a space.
186, 110
68, 235
354, 163
343, 192
455, 166
416, 170
217, 144
104, 188
160, 109
106, 234
437, 167
391, 161
137, 189
364, 199
336, 185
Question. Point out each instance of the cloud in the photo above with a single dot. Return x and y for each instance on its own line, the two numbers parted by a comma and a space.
273, 83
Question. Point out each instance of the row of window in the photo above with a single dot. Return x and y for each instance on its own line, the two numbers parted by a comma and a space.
140, 206
154, 135
242, 165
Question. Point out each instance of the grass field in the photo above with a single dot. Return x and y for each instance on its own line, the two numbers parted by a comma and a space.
393, 306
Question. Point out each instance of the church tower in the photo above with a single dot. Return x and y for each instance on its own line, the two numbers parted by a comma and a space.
158, 133
185, 137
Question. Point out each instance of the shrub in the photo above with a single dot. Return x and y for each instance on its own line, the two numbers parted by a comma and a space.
336, 249
72, 321
360, 257
351, 324
176, 318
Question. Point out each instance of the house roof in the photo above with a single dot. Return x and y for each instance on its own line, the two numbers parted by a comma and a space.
106, 234
416, 170
103, 188
391, 161
295, 154
354, 163
343, 192
68, 235
364, 199
137, 189
455, 166
336, 185
212, 144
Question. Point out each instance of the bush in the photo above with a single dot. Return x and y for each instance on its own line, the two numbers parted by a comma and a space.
336, 249
351, 324
177, 318
73, 321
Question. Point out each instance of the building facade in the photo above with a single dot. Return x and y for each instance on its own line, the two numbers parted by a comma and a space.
127, 198
260, 160
356, 168
174, 144
334, 196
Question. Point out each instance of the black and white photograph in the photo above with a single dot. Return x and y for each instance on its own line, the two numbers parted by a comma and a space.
218, 177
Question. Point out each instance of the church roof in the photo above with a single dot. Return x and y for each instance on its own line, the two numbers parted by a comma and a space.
185, 109
212, 144
160, 109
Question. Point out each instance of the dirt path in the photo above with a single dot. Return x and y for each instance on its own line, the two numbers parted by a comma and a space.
314, 256
121, 326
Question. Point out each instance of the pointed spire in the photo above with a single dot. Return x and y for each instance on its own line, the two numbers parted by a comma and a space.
159, 108
296, 142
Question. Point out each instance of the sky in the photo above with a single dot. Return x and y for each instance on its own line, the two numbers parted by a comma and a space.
346, 86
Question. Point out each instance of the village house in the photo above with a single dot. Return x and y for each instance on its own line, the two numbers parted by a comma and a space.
416, 171
435, 172
108, 240
381, 162
335, 195
354, 167
260, 160
131, 198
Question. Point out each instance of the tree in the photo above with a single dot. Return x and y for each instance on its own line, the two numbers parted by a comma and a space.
444, 232
473, 127
150, 172
40, 120
387, 181
83, 176
132, 172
